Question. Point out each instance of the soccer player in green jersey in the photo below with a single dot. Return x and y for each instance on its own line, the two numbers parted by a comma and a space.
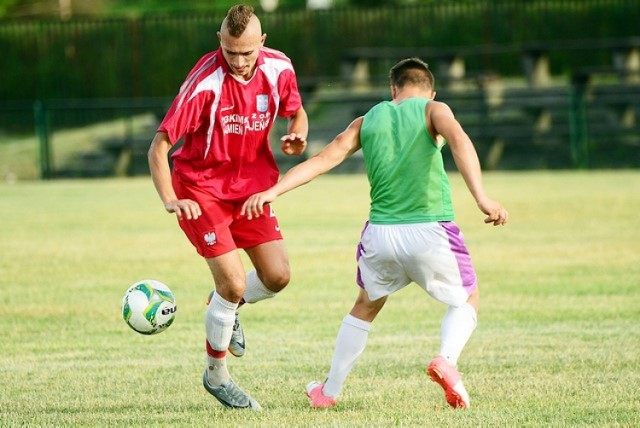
410, 235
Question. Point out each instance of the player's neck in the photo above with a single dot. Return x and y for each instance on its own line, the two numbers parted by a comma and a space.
409, 92
245, 77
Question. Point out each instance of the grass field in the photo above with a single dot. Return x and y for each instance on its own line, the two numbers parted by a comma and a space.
558, 341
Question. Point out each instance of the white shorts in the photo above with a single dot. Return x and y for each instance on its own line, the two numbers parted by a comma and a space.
433, 255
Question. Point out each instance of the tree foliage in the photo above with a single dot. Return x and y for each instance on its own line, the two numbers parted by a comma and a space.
49, 8
7, 5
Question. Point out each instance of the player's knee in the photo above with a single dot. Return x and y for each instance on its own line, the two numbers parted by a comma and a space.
231, 293
366, 309
474, 299
276, 280
230, 288
236, 295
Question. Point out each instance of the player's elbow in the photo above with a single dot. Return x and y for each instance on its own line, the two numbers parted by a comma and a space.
159, 147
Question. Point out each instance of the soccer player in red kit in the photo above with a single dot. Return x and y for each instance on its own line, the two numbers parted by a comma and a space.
223, 113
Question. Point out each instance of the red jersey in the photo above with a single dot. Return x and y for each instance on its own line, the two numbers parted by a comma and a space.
225, 124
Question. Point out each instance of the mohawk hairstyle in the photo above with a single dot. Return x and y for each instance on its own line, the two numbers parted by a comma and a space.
412, 71
237, 19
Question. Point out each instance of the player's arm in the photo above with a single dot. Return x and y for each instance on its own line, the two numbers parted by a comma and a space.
158, 156
343, 146
442, 122
295, 142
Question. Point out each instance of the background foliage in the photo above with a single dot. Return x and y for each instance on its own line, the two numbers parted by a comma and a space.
149, 56
98, 69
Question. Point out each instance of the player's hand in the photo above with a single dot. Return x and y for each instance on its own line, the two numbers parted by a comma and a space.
496, 213
254, 206
293, 144
184, 208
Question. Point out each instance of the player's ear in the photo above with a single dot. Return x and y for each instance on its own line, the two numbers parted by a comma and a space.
264, 37
219, 36
433, 95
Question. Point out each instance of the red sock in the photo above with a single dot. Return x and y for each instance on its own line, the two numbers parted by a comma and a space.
213, 353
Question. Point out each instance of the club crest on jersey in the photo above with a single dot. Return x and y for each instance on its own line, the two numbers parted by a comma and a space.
262, 102
210, 238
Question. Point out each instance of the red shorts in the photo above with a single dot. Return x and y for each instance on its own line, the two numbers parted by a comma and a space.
221, 229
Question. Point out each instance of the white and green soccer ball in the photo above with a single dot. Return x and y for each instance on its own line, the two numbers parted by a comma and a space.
149, 307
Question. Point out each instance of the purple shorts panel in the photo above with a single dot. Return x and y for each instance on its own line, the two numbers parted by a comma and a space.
459, 249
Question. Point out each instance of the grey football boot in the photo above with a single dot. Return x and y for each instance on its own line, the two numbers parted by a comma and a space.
237, 345
230, 395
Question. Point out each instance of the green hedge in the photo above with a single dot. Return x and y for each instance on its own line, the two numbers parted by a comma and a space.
150, 56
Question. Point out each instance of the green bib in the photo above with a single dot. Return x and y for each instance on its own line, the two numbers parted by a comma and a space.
404, 165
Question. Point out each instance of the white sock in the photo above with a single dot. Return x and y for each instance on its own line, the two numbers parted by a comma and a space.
217, 372
256, 290
351, 340
457, 325
221, 314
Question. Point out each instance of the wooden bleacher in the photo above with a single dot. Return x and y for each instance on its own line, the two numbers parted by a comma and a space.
451, 61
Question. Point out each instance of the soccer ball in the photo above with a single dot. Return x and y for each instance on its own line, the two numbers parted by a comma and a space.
149, 307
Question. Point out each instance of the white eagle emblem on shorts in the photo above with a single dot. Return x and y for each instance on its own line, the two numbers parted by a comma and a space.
210, 238
262, 102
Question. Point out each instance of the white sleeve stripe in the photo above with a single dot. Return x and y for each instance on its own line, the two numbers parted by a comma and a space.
188, 84
275, 52
275, 66
272, 68
213, 83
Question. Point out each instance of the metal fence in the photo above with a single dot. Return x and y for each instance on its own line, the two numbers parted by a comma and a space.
577, 126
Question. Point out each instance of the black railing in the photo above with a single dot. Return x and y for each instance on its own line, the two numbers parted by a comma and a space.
584, 125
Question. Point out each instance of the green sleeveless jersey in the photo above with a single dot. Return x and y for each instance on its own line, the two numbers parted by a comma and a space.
404, 165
